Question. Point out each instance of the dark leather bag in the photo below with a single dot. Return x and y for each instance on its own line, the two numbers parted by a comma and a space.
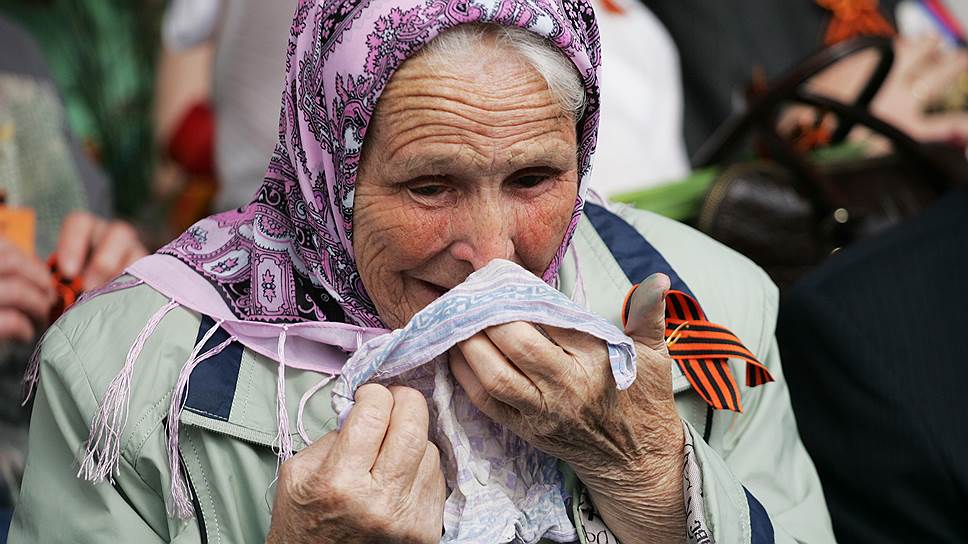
788, 212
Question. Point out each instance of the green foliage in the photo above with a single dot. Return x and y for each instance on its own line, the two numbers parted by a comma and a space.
103, 54
679, 199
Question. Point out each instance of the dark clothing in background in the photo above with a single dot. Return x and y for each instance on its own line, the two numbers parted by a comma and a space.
720, 42
873, 346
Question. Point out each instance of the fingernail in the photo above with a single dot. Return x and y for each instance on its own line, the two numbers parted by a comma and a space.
657, 285
67, 268
653, 289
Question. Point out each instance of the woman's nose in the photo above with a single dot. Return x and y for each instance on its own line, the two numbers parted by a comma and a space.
486, 234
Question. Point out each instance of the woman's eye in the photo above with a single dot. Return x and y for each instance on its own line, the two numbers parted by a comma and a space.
530, 181
428, 190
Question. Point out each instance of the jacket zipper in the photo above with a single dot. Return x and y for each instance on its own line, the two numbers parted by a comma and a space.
199, 515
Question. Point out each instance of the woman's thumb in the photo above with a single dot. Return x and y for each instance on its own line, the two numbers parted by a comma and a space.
644, 311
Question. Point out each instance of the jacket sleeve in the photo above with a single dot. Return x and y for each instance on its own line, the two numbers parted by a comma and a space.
55, 505
760, 486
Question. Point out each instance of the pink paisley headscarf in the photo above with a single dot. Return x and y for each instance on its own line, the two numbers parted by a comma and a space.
287, 257
279, 274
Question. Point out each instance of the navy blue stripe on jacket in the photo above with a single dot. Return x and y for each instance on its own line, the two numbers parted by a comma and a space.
211, 386
637, 258
761, 527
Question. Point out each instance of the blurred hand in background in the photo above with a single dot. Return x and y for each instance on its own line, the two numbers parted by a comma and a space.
89, 247
95, 249
924, 72
26, 294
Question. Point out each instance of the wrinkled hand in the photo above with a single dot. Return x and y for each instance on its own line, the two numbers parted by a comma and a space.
558, 393
96, 250
378, 479
26, 294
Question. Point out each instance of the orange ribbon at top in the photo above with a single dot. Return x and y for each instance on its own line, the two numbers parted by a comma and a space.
68, 289
612, 7
852, 18
702, 350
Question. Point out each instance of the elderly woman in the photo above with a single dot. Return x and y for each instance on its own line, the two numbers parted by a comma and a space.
420, 140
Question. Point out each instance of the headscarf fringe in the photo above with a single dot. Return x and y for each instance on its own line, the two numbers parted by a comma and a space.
32, 372
283, 438
103, 447
180, 505
300, 428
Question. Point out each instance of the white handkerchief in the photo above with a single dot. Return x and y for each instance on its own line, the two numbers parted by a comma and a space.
500, 488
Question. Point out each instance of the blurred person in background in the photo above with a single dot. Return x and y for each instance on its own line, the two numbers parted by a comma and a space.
101, 55
641, 125
879, 401
183, 131
217, 99
874, 399
726, 45
227, 54
55, 202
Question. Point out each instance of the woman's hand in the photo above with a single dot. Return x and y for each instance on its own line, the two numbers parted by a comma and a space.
558, 393
376, 480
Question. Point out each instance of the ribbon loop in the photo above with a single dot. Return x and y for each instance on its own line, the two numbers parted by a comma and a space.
702, 350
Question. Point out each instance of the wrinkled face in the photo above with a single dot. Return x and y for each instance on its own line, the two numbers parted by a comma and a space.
463, 164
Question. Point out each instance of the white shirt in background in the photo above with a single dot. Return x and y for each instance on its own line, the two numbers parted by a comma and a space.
248, 76
640, 142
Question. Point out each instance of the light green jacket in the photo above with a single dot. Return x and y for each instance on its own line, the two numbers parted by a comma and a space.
231, 465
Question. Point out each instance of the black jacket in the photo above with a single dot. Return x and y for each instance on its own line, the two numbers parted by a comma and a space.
874, 350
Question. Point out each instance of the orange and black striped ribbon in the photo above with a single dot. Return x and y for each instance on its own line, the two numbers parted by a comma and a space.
702, 350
